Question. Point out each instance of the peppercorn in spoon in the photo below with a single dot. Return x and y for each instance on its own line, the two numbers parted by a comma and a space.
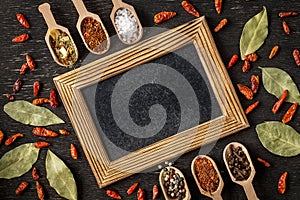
91, 29
126, 22
240, 167
207, 177
58, 39
173, 184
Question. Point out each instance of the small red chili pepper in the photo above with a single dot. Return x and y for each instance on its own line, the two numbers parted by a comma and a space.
40, 191
246, 66
23, 69
40, 101
64, 132
252, 57
43, 132
233, 61
41, 144
265, 163
21, 38
163, 16
247, 92
282, 183
21, 188
17, 85
141, 194
12, 138
53, 99
73, 152
30, 62
113, 194
286, 28
132, 188
22, 20
218, 6
287, 14
10, 97
273, 51
290, 113
36, 88
278, 104
251, 107
35, 174
296, 56
1, 136
188, 7
254, 83
155, 192
220, 25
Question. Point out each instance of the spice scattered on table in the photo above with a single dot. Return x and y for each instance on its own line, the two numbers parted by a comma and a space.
296, 56
40, 101
21, 38
206, 174
234, 59
264, 162
22, 187
247, 92
40, 190
140, 194
188, 7
23, 21
254, 83
287, 14
252, 57
13, 138
218, 6
113, 194
287, 117
36, 88
173, 184
10, 97
154, 192
30, 62
94, 34
64, 132
41, 144
63, 47
23, 69
132, 188
17, 85
73, 152
251, 107
43, 132
53, 99
35, 174
273, 51
220, 25
127, 26
279, 103
163, 16
286, 28
238, 163
1, 136
246, 66
282, 183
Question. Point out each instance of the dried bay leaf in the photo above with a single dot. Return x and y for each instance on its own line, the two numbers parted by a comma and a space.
18, 161
60, 177
254, 33
27, 113
276, 81
279, 138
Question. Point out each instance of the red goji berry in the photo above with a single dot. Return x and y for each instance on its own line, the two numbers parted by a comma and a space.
53, 99
23, 69
36, 88
22, 20
282, 183
113, 194
21, 38
73, 151
41, 144
218, 6
132, 188
21, 188
30, 62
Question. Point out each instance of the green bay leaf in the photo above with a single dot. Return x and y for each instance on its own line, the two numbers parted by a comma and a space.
276, 81
254, 33
279, 138
27, 113
60, 177
18, 161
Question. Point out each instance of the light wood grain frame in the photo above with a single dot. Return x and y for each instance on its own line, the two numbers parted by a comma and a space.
196, 32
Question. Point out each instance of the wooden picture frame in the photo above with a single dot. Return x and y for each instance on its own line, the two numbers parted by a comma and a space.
196, 32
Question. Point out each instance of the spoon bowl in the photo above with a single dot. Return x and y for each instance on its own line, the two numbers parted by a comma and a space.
216, 195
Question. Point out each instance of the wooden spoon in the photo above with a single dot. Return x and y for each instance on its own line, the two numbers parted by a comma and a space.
118, 4
247, 184
52, 25
83, 13
216, 194
161, 182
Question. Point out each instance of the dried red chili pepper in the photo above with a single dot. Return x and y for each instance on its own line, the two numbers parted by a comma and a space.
17, 85
132, 188
41, 144
21, 38
287, 14
265, 163
73, 152
12, 138
254, 83
36, 88
22, 20
282, 183
220, 25
30, 62
163, 16
40, 101
23, 69
252, 57
246, 66
251, 107
296, 56
290, 113
218, 6
278, 104
247, 92
64, 132
155, 192
113, 194
233, 61
10, 97
35, 174
1, 136
188, 7
286, 28
53, 99
40, 190
273, 51
43, 132
141, 194
21, 188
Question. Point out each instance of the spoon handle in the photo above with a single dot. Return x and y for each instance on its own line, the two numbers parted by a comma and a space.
80, 7
47, 14
217, 197
250, 192
117, 3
